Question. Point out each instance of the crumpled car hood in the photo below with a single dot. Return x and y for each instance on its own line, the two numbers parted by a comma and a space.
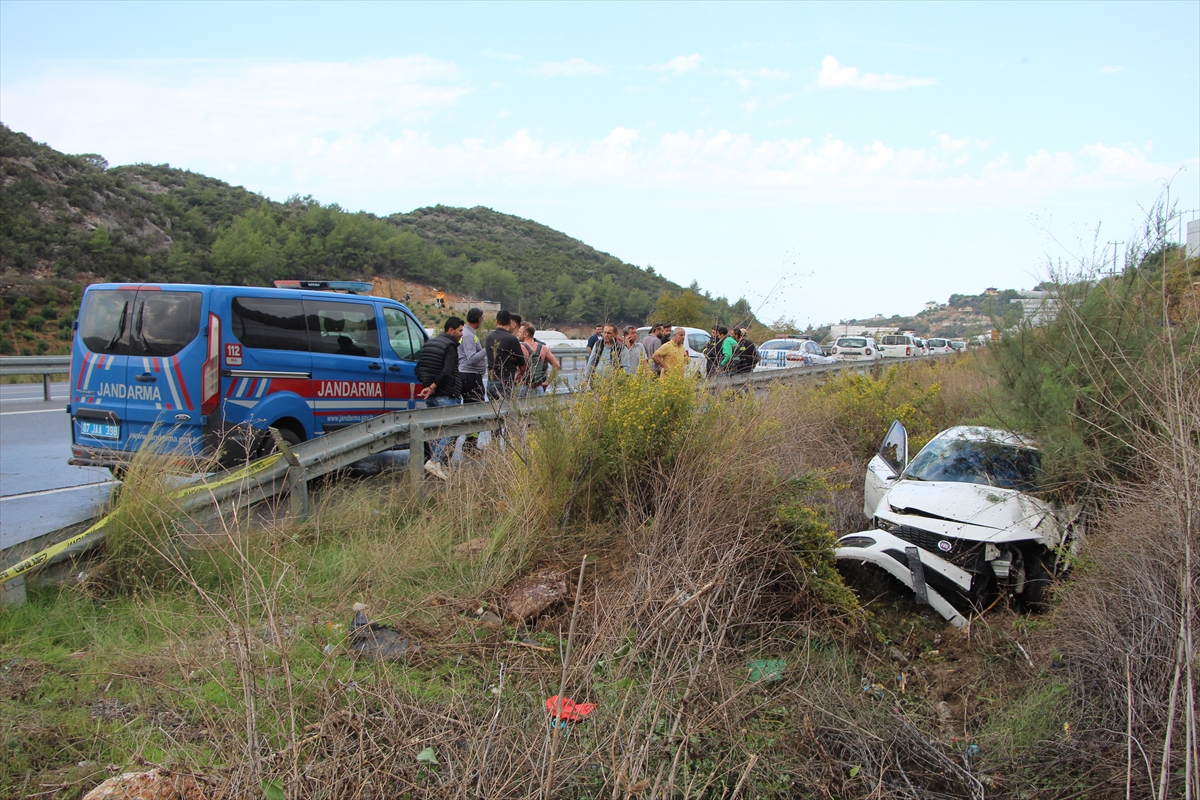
985, 506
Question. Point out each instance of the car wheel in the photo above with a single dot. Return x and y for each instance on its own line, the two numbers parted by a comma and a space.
1039, 581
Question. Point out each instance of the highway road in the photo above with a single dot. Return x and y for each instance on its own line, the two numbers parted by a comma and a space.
39, 492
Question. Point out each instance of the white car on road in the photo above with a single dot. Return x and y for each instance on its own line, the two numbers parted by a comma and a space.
788, 353
856, 348
899, 345
960, 523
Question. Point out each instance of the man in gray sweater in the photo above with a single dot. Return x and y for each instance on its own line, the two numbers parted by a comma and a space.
472, 359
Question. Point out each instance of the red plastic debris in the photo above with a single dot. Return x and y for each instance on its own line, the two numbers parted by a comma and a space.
570, 710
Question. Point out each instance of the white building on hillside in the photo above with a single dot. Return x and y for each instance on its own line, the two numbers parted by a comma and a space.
1040, 307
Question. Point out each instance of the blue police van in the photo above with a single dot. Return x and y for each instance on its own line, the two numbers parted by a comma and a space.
207, 369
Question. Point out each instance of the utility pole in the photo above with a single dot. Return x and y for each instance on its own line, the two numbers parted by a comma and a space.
1114, 266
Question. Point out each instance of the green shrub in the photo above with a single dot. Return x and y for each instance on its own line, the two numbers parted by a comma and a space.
49, 311
36, 322
20, 308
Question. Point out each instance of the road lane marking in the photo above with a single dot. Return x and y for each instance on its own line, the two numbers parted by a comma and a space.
39, 411
41, 492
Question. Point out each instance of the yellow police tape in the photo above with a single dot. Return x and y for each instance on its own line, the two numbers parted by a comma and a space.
37, 560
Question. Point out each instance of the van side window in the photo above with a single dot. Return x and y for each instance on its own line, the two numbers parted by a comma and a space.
346, 329
105, 320
270, 323
404, 334
165, 323
697, 341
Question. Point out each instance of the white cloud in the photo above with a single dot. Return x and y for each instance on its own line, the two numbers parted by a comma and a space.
570, 68
1111, 70
746, 77
680, 64
835, 76
242, 109
370, 134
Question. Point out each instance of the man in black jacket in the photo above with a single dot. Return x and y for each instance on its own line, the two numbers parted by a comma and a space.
745, 354
437, 368
504, 357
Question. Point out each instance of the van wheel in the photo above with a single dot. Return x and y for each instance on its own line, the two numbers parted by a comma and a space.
268, 444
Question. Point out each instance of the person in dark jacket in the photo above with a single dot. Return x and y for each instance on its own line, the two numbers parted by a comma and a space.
504, 357
437, 368
745, 354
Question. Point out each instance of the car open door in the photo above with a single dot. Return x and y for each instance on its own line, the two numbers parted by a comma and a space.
885, 467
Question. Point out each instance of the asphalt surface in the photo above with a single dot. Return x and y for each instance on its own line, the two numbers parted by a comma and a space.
39, 492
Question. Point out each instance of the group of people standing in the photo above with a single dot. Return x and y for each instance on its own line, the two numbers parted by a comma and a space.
609, 351
453, 364
663, 349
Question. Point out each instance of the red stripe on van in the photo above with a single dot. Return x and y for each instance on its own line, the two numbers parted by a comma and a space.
182, 386
250, 388
83, 370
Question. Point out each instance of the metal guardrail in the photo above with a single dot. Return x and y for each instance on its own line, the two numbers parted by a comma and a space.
36, 365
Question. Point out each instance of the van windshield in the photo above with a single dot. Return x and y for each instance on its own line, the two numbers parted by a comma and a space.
986, 463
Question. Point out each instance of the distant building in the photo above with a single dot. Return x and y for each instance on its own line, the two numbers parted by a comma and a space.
931, 305
485, 306
991, 291
1193, 239
1039, 307
836, 331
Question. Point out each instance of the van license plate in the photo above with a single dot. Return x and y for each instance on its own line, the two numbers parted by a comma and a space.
100, 430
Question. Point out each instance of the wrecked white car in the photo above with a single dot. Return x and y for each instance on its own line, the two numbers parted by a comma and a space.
959, 524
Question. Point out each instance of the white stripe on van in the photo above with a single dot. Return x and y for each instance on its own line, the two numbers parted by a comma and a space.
91, 366
241, 387
262, 386
166, 368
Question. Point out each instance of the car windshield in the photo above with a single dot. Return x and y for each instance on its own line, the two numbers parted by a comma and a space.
937, 342
846, 341
782, 344
987, 463
895, 340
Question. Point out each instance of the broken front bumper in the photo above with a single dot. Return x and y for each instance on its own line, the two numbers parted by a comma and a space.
908, 564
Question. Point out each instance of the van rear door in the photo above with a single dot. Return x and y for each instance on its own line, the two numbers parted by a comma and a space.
99, 362
166, 354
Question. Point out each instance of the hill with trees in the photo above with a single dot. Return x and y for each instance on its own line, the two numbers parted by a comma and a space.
70, 220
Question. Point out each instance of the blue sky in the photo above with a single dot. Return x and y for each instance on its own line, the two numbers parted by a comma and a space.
825, 161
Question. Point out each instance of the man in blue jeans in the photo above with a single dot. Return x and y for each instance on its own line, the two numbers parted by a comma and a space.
437, 368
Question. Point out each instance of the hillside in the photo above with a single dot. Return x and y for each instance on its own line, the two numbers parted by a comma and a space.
962, 315
69, 220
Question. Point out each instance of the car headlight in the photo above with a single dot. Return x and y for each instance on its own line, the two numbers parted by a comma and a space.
856, 541
886, 525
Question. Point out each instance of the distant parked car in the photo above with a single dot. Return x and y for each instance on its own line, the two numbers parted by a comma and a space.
856, 348
939, 346
785, 353
959, 345
899, 345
